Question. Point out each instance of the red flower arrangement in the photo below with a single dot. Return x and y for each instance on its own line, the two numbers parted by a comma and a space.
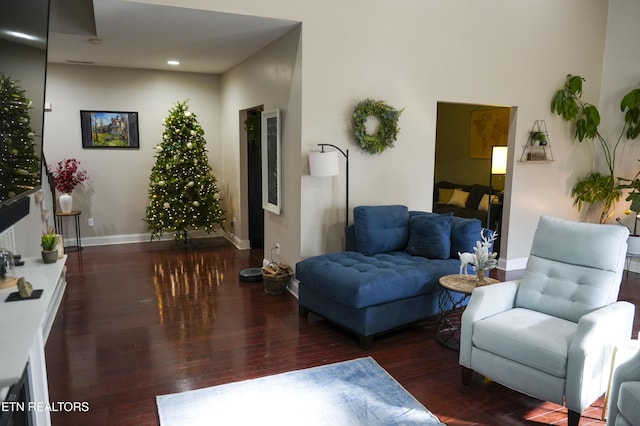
68, 174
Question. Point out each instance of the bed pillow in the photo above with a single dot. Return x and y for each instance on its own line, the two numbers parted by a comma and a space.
430, 235
458, 198
484, 203
444, 195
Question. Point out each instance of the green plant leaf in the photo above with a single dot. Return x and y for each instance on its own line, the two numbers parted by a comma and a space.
557, 102
574, 85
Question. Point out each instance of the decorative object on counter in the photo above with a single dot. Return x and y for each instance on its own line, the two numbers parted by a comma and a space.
49, 247
386, 133
7, 271
15, 296
60, 246
598, 189
483, 260
275, 277
25, 289
67, 175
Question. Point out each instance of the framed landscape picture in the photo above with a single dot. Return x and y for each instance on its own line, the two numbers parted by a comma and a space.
109, 129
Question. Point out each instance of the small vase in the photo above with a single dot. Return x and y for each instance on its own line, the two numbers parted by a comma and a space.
66, 202
480, 275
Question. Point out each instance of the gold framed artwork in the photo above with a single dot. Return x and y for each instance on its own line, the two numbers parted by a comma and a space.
489, 127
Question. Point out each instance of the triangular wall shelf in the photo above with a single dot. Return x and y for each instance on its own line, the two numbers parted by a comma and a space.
538, 146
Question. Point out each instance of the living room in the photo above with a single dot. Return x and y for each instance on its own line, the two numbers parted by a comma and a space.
317, 106
414, 56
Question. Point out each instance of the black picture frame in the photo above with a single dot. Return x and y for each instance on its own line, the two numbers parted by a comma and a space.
109, 130
271, 162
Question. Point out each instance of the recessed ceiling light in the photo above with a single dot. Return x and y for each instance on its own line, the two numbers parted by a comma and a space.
173, 62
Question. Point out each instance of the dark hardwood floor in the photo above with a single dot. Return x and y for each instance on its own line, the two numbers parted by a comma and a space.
141, 320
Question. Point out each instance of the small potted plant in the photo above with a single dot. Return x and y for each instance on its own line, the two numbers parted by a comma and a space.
49, 249
538, 138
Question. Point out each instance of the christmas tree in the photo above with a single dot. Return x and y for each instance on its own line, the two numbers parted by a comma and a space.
183, 193
19, 164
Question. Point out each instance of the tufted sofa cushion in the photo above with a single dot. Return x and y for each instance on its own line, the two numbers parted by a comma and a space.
360, 281
380, 229
568, 277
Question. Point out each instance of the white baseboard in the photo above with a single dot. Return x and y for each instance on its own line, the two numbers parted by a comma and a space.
143, 238
293, 286
240, 244
513, 264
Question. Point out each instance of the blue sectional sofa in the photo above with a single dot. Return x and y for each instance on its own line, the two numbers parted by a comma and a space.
390, 278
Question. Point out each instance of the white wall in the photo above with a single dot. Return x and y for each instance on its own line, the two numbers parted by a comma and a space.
491, 52
621, 73
116, 195
270, 78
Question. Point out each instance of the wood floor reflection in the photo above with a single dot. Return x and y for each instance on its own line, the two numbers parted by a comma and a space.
140, 320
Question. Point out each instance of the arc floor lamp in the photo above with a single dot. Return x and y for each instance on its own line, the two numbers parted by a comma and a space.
325, 163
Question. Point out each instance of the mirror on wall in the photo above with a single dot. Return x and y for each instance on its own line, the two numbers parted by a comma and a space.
463, 182
23, 62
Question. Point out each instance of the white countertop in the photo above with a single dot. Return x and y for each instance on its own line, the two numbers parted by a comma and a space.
20, 321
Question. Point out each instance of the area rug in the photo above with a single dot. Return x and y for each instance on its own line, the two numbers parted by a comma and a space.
356, 392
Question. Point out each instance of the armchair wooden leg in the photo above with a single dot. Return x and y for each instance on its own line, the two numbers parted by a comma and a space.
467, 375
573, 418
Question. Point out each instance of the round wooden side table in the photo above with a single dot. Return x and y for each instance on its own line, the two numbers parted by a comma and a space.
448, 329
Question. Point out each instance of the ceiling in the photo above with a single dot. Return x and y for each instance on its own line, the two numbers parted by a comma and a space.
134, 35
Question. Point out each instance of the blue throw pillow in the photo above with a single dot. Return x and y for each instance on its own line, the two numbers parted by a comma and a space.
464, 235
381, 229
430, 236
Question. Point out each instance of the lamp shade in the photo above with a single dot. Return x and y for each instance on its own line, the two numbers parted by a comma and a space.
499, 160
324, 163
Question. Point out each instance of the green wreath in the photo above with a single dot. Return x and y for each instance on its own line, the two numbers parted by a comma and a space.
387, 132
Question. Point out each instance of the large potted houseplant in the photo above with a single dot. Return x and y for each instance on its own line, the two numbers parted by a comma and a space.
597, 188
67, 175
634, 209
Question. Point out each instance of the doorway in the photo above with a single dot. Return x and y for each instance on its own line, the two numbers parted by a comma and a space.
465, 135
253, 129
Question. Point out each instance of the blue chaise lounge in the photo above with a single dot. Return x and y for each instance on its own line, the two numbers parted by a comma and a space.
389, 278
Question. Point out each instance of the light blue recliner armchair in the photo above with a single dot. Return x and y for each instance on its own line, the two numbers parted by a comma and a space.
624, 399
549, 335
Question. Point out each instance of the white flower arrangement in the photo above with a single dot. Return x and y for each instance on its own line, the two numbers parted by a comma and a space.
483, 260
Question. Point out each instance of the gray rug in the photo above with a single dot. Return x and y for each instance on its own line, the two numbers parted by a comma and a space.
356, 392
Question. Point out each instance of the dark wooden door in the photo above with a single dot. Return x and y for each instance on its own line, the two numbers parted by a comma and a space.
254, 178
